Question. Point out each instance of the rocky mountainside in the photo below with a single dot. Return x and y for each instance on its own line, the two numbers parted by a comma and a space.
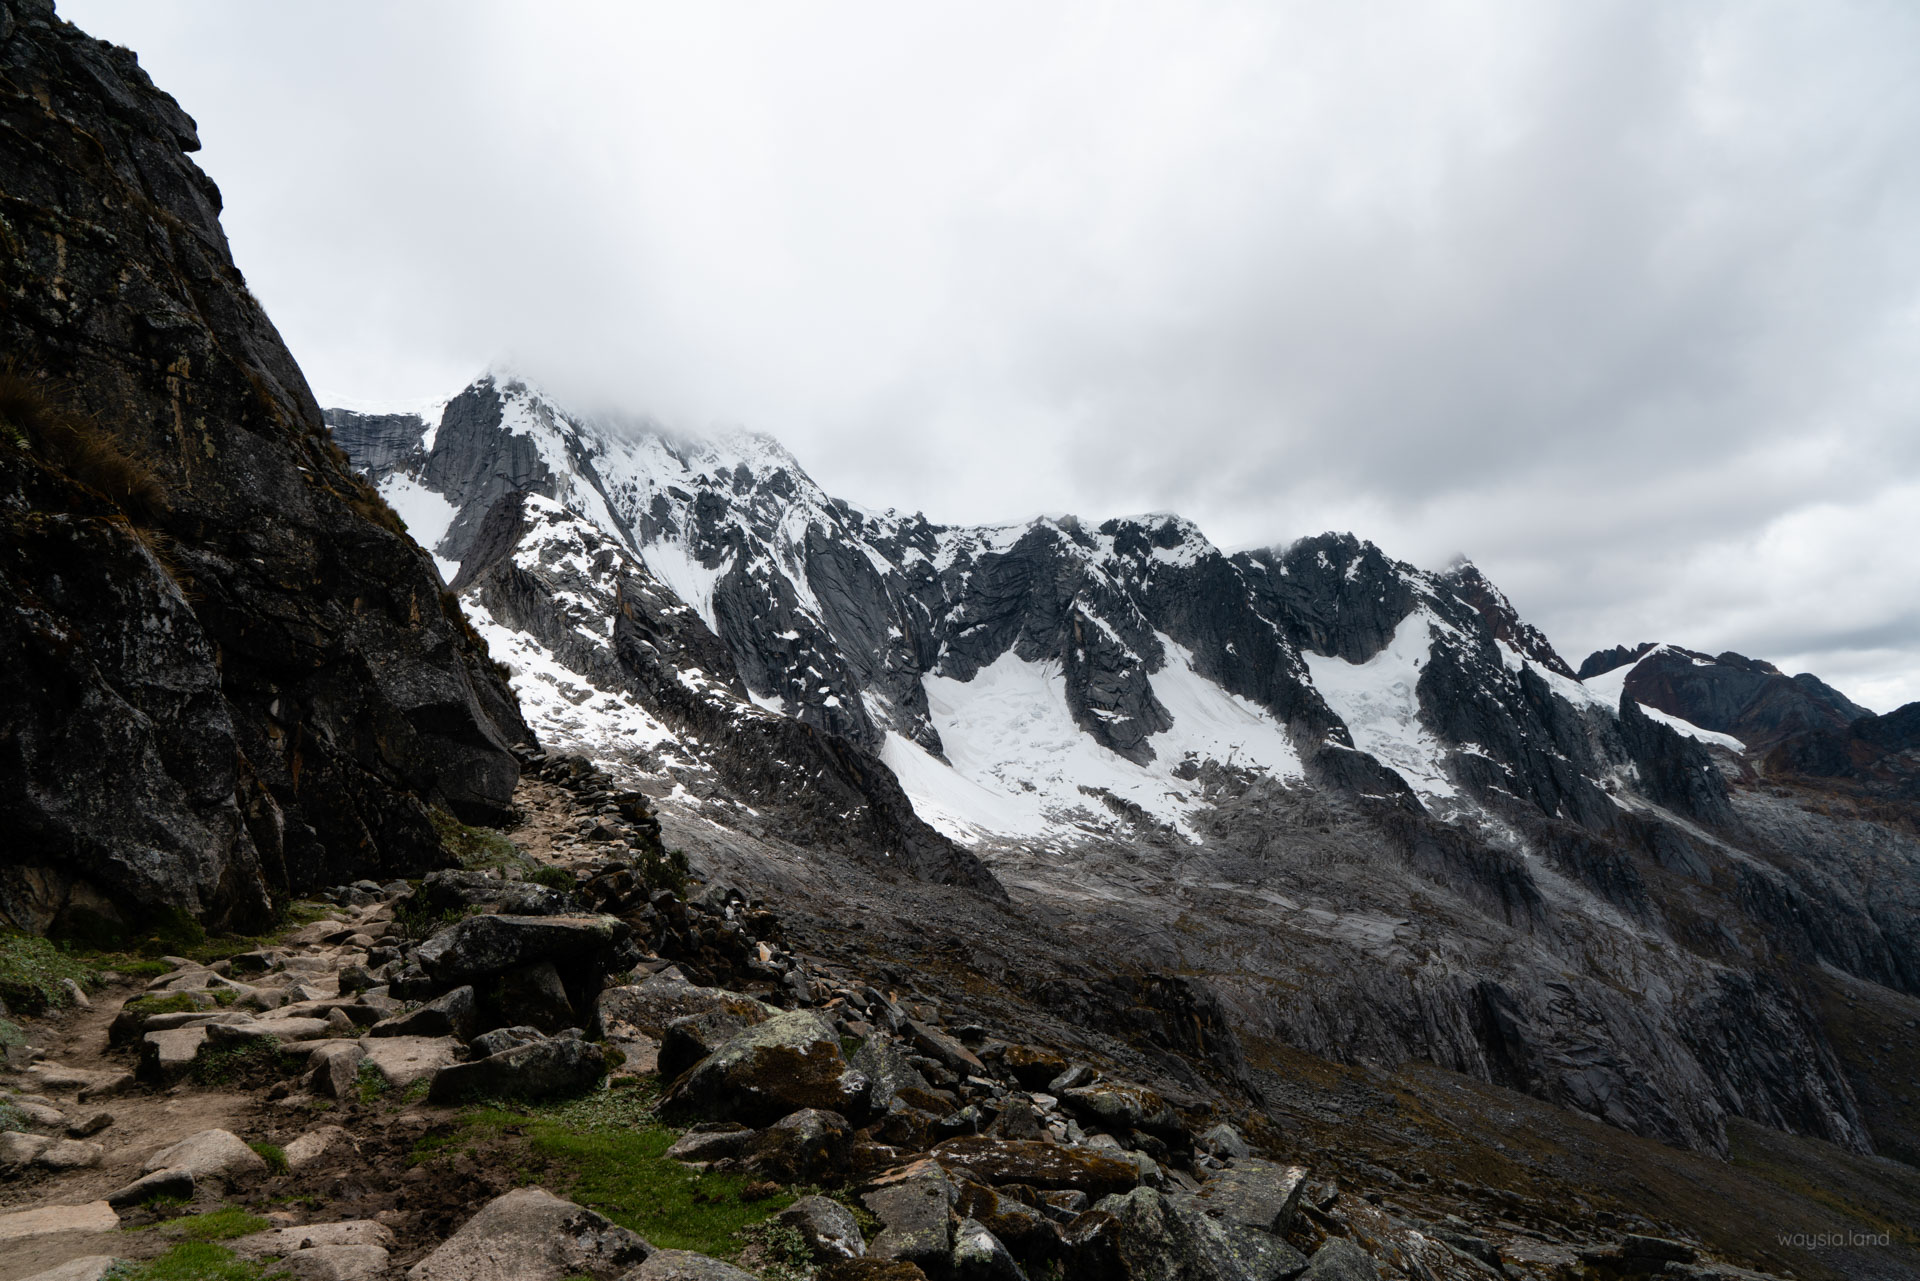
230, 674
726, 1093
1790, 728
1747, 698
1369, 804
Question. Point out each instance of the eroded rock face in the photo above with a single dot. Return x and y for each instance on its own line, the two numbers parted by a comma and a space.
247, 681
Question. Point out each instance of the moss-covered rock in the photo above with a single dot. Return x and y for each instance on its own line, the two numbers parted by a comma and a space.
790, 1062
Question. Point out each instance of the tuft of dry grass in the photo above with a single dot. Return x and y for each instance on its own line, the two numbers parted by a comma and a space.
77, 446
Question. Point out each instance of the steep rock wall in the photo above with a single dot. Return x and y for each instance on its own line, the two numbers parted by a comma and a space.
250, 681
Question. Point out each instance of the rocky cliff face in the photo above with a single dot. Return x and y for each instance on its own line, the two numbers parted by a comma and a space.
1370, 804
231, 674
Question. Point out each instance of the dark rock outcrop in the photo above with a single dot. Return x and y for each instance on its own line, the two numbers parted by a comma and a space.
1729, 693
232, 676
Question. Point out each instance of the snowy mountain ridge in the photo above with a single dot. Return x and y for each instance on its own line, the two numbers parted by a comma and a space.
1022, 680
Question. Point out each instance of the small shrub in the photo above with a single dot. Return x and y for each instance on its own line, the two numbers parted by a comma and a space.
11, 1117
554, 878
33, 974
666, 870
274, 1155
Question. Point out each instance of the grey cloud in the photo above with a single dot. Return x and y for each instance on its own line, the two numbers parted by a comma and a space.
1620, 299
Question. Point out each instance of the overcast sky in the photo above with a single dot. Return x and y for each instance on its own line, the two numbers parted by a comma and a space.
1622, 300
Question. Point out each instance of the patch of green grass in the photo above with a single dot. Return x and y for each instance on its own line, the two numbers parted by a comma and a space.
174, 933
142, 968
11, 1117
476, 847
609, 1154
369, 1083
417, 921
274, 1155
554, 878
224, 1224
10, 1034
172, 1003
198, 1261
33, 973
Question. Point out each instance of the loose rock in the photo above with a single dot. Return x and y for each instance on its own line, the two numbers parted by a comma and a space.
915, 1204
93, 1267
1258, 1194
541, 1070
531, 1235
210, 1154
1340, 1260
684, 1265
828, 1228
95, 1216
455, 1014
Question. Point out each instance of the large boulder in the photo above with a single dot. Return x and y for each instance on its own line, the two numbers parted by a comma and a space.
402, 1060
978, 1255
531, 1235
808, 1146
915, 1205
788, 1063
684, 1265
1168, 1237
169, 1054
1037, 1165
1340, 1260
483, 946
645, 1008
548, 1069
281, 1241
1259, 1194
454, 1014
693, 1037
210, 1154
1122, 1106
